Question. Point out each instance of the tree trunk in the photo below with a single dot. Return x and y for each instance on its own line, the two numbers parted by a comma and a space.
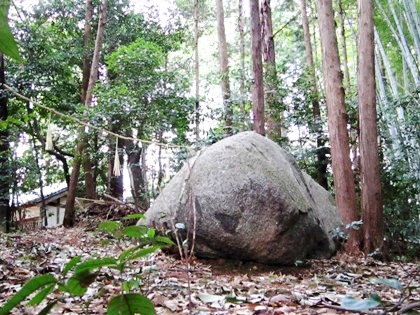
135, 172
345, 194
274, 114
256, 55
197, 72
242, 86
344, 47
90, 184
372, 211
322, 160
5, 169
224, 67
69, 215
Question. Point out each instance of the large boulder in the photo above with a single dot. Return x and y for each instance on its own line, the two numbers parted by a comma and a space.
248, 200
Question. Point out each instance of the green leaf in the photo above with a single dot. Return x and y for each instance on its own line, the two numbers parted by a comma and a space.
7, 42
130, 304
78, 284
46, 310
30, 287
73, 262
110, 226
41, 295
151, 233
137, 216
95, 263
164, 240
393, 283
126, 253
143, 252
352, 304
135, 231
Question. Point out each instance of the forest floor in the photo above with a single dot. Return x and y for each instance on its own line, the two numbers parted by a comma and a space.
205, 286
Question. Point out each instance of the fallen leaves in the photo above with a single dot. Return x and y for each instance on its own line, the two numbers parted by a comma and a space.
203, 287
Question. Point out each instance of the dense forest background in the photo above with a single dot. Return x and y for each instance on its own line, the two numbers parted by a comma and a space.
102, 85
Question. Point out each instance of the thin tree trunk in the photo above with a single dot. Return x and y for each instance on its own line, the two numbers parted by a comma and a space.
413, 21
322, 160
372, 211
87, 63
256, 55
5, 170
224, 67
69, 215
274, 117
241, 30
401, 41
197, 71
344, 47
345, 194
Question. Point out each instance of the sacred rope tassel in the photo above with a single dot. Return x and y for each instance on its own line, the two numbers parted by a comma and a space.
48, 140
117, 165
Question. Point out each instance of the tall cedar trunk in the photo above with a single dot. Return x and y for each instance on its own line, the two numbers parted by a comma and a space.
345, 194
87, 63
224, 66
241, 30
316, 126
69, 215
369, 158
258, 84
197, 72
5, 170
116, 183
274, 121
344, 46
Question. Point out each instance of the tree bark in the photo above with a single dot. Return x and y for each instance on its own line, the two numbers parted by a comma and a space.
87, 63
197, 71
344, 47
345, 194
316, 127
241, 30
372, 210
224, 67
256, 55
5, 168
136, 174
274, 115
69, 215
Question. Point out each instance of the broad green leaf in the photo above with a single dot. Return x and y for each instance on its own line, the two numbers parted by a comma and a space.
41, 295
130, 304
393, 283
73, 262
7, 42
46, 310
95, 263
143, 252
123, 256
352, 304
30, 287
109, 226
135, 231
151, 233
165, 240
137, 216
78, 284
